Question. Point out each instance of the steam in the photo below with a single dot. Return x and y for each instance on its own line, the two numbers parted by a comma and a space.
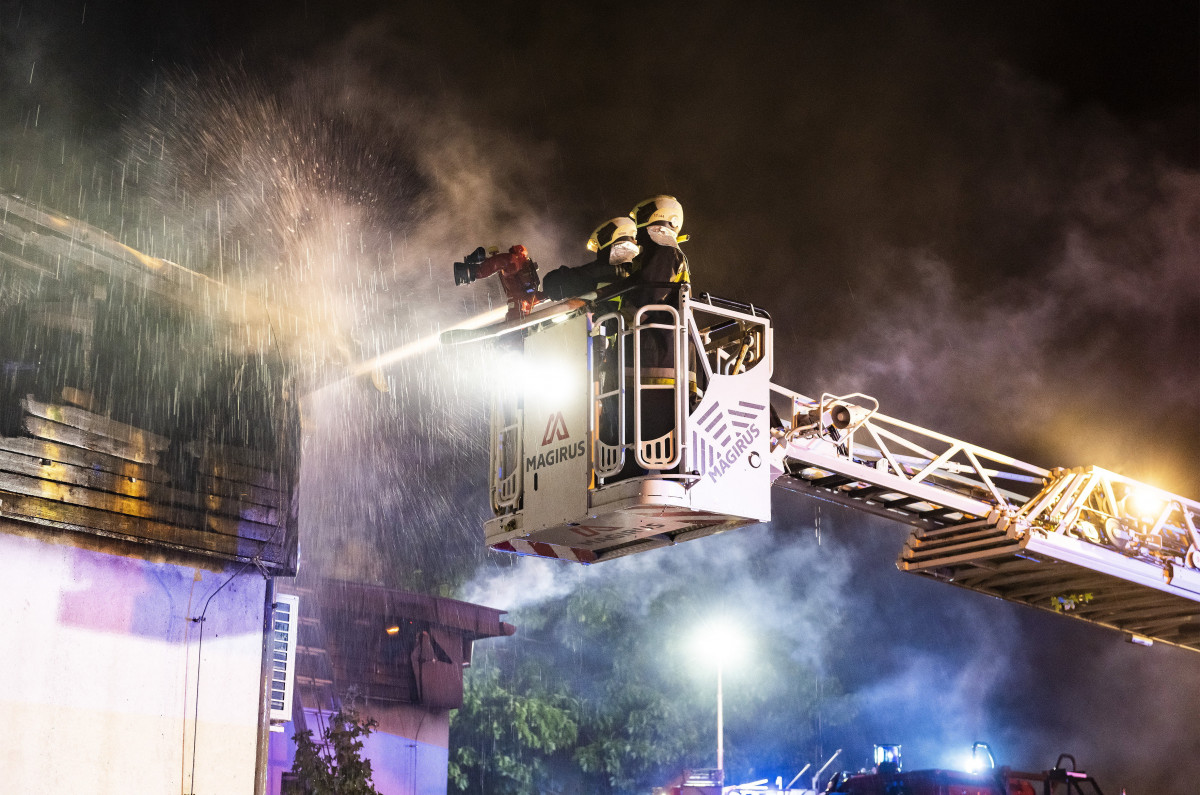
763, 581
344, 207
1021, 362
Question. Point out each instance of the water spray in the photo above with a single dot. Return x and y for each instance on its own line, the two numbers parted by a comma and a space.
426, 343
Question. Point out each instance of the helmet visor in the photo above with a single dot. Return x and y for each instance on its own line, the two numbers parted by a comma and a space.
662, 234
623, 251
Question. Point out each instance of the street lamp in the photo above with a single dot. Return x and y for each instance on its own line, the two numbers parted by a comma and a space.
720, 720
721, 642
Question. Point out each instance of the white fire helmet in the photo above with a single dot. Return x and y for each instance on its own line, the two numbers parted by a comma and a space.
621, 234
659, 210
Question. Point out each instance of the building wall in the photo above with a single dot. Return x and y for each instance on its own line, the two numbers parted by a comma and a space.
98, 671
429, 726
409, 750
401, 766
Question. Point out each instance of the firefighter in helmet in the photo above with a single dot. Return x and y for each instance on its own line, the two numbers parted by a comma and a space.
659, 221
614, 243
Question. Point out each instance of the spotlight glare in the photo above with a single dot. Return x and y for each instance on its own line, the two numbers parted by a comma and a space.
720, 641
1144, 504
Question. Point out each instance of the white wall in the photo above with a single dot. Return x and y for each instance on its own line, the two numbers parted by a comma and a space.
98, 670
401, 766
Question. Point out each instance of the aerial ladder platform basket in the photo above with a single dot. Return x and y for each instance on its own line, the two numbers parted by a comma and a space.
629, 429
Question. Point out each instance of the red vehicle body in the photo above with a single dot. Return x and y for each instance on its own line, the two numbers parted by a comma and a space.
888, 779
935, 782
1004, 781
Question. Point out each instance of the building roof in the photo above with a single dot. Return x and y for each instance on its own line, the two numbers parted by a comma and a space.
50, 255
386, 645
390, 605
145, 402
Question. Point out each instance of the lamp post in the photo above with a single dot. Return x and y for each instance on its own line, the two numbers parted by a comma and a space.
719, 641
720, 720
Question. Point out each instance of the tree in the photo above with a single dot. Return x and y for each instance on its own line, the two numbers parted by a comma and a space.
507, 738
334, 766
635, 736
602, 691
539, 718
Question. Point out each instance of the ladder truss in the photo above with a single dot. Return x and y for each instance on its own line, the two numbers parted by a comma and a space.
1085, 543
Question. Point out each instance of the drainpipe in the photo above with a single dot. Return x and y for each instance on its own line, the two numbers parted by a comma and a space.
263, 740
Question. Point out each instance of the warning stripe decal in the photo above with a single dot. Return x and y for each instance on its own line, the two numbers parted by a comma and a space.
541, 549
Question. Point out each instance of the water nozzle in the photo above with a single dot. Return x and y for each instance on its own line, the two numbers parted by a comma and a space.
467, 271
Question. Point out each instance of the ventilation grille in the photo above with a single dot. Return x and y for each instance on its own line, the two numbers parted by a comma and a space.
285, 625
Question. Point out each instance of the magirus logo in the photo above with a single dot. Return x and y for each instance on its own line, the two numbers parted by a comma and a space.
556, 430
726, 435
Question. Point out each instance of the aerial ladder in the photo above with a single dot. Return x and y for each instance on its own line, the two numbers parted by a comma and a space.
585, 468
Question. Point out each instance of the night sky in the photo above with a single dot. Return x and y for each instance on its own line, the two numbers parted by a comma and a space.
986, 217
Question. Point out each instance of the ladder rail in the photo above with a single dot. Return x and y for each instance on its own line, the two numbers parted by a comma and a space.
666, 451
912, 463
1090, 505
607, 459
505, 480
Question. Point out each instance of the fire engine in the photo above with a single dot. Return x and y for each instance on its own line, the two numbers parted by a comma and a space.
582, 470
888, 777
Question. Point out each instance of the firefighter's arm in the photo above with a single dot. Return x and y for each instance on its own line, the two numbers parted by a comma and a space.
603, 273
567, 282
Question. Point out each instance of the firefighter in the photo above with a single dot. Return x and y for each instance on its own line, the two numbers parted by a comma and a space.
659, 221
614, 244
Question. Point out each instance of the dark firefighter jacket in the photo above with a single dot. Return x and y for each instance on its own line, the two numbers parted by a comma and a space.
571, 282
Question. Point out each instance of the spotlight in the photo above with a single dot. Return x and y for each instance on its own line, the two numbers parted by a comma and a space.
887, 758
981, 758
1144, 504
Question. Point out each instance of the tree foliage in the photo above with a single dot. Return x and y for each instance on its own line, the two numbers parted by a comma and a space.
506, 735
602, 692
334, 766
